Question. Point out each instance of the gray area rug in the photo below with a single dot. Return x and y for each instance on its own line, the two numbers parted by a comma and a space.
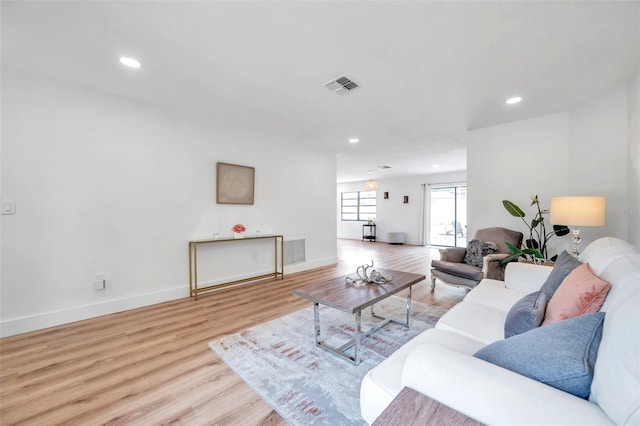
305, 384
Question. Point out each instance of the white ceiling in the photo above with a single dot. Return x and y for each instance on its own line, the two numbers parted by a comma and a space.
428, 71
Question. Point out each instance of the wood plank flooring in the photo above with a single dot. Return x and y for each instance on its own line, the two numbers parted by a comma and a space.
153, 365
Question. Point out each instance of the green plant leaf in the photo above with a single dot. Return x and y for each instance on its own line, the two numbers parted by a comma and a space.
561, 230
512, 209
533, 252
509, 258
513, 248
532, 244
517, 252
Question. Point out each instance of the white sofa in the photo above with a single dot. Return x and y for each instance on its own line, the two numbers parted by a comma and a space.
439, 362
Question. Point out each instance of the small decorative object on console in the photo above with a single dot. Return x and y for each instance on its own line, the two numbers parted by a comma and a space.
238, 231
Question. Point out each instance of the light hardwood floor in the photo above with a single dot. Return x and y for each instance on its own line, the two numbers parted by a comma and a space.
152, 365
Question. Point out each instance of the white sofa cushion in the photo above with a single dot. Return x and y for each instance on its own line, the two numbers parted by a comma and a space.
464, 319
494, 294
491, 394
489, 300
383, 382
525, 277
600, 253
617, 374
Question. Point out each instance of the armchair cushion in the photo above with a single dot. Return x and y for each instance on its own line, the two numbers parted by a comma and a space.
453, 254
452, 268
500, 236
477, 249
492, 268
458, 269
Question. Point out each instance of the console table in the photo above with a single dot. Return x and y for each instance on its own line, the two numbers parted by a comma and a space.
278, 267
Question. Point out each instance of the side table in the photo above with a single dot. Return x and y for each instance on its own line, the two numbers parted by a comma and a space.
413, 408
371, 234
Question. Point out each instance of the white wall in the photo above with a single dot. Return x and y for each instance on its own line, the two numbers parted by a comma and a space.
392, 214
579, 152
634, 160
598, 159
513, 162
104, 185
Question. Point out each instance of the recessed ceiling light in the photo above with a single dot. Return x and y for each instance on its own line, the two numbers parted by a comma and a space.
130, 62
435, 166
514, 100
354, 140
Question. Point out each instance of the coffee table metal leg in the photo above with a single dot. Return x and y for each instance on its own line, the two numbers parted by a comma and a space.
341, 351
406, 323
356, 339
408, 306
316, 322
358, 336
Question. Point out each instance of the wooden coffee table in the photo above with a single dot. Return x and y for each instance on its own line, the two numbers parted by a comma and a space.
350, 298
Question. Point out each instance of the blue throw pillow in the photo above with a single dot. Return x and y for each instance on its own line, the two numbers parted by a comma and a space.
526, 314
565, 263
561, 354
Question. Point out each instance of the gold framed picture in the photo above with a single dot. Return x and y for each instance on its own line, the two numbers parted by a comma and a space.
234, 184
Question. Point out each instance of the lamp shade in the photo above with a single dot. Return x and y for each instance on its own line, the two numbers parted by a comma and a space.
578, 211
371, 185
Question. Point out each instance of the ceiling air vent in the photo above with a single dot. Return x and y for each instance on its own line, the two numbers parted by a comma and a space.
340, 85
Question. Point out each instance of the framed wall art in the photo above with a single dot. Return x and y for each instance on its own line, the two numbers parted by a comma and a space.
234, 184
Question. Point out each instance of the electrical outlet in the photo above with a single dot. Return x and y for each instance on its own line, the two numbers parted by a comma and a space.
8, 207
100, 282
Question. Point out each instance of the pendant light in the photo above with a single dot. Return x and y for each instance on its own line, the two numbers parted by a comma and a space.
371, 185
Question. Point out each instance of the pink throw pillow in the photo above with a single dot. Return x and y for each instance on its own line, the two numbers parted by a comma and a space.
581, 292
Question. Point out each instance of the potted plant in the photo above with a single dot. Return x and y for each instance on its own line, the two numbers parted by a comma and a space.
535, 246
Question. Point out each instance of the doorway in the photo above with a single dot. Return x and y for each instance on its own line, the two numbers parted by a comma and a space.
448, 215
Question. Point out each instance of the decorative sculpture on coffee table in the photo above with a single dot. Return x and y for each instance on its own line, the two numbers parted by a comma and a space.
366, 276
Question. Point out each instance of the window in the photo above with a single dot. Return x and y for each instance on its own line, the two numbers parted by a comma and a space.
358, 205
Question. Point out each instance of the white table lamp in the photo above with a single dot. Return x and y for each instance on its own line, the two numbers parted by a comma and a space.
578, 211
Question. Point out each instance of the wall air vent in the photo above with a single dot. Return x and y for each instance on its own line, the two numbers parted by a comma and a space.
340, 85
294, 251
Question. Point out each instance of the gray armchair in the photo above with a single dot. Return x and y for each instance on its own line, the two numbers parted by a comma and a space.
451, 268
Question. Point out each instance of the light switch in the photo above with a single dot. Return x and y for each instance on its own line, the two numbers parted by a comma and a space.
8, 207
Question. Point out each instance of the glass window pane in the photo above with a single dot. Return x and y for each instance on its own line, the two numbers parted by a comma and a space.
358, 205
448, 220
349, 195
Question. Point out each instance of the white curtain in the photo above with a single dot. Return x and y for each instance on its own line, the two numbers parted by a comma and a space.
425, 196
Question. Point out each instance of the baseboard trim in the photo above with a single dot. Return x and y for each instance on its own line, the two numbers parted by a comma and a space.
25, 324
300, 267
29, 323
